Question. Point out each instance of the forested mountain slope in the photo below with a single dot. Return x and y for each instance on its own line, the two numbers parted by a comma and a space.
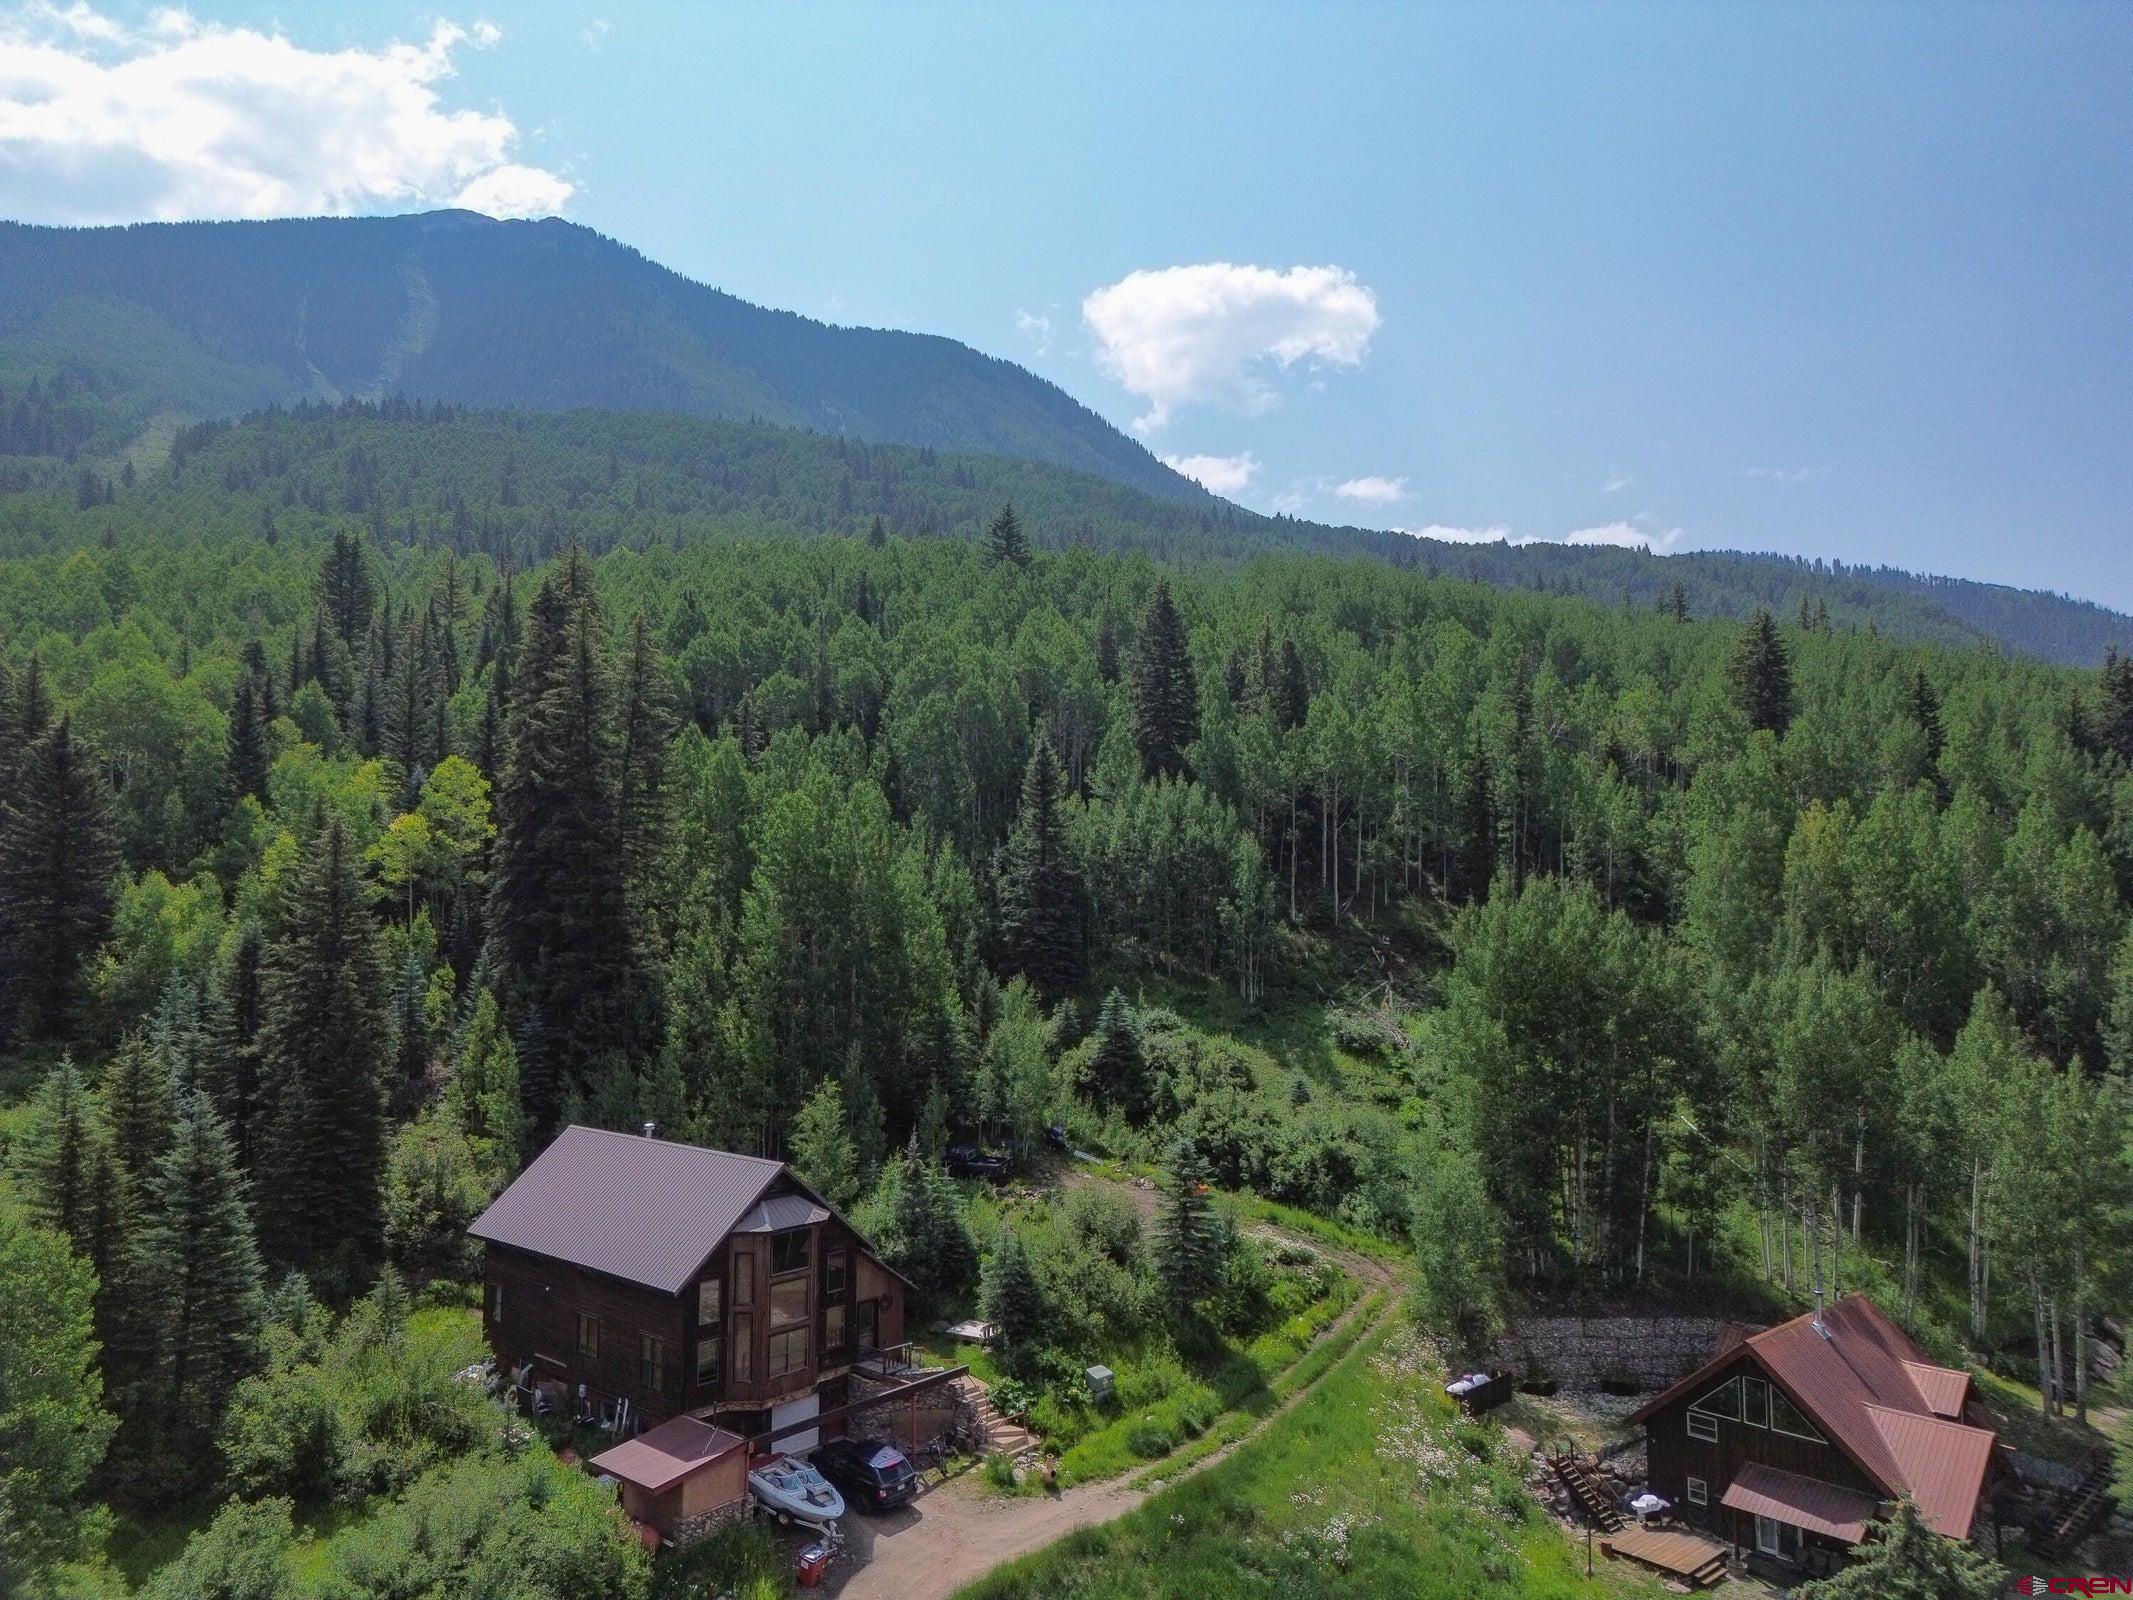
520, 486
201, 319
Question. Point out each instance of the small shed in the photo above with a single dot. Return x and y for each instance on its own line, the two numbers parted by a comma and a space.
683, 1478
1103, 1383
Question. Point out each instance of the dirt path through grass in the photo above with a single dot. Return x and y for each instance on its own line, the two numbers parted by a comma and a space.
955, 1536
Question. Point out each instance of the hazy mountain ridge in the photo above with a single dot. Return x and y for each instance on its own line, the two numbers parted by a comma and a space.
213, 319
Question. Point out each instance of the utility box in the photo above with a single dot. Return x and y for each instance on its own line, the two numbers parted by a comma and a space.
1102, 1383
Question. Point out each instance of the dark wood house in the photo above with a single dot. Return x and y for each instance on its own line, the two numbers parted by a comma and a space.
1790, 1441
682, 1281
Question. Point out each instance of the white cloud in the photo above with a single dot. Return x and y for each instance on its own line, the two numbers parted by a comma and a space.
1617, 480
1437, 530
1373, 491
1222, 474
594, 33
1623, 536
1036, 326
1208, 334
1784, 474
101, 122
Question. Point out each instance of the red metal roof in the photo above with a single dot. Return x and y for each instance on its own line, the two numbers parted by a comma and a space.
667, 1454
649, 1211
1863, 1382
1799, 1502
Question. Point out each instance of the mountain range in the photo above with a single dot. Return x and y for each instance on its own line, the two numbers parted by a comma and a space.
114, 340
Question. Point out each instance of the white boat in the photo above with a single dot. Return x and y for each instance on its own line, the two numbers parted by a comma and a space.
795, 1491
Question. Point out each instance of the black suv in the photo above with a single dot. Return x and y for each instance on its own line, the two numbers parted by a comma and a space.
874, 1476
968, 1161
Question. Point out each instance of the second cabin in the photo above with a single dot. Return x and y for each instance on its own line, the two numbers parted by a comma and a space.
631, 1279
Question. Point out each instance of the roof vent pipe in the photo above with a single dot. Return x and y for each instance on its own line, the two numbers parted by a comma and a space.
651, 1130
1819, 1326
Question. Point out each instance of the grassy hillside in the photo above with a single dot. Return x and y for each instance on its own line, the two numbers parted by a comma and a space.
209, 319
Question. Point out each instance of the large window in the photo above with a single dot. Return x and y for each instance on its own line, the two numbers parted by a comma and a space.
788, 1352
833, 1328
1788, 1418
651, 1363
788, 1301
788, 1251
743, 1346
1702, 1426
865, 1324
588, 1336
1755, 1402
837, 1273
743, 1278
710, 1351
710, 1302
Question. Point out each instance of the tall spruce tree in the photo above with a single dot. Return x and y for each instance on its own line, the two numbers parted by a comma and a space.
140, 1103
347, 592
1011, 1298
565, 944
65, 1169
645, 727
1188, 1234
1005, 542
59, 862
1041, 918
2114, 712
323, 1040
1923, 702
1762, 676
232, 1079
1166, 696
196, 1267
1292, 700
247, 745
1118, 1071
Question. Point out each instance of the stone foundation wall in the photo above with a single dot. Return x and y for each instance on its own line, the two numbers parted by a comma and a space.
690, 1529
939, 1409
1583, 1353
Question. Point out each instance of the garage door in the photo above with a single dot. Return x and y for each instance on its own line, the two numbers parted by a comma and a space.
796, 1444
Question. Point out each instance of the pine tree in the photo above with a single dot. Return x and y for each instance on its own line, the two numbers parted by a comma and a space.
247, 743
645, 728
1005, 542
2114, 717
1118, 1071
65, 1168
322, 1060
1903, 1559
1188, 1235
1041, 918
58, 862
232, 1080
1292, 699
347, 592
1166, 696
201, 1290
1762, 676
565, 943
1924, 706
1107, 649
877, 535
140, 1105
1010, 1297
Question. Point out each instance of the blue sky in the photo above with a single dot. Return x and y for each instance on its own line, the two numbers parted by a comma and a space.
1853, 282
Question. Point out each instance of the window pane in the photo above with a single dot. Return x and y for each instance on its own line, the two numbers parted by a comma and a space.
833, 1328
1724, 1401
743, 1278
1756, 1409
709, 1312
839, 1270
588, 1335
1702, 1426
709, 1352
1788, 1418
743, 1347
788, 1251
788, 1352
788, 1301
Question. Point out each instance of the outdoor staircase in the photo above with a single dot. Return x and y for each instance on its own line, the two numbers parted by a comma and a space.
1588, 1489
2075, 1513
996, 1434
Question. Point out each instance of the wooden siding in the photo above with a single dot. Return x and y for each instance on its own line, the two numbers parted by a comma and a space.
542, 1301
1673, 1457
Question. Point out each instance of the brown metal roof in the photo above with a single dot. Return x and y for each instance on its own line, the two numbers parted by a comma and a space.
1942, 1463
1944, 1389
649, 1211
667, 1454
1799, 1502
1864, 1384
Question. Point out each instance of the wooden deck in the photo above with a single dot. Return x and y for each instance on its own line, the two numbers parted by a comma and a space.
1697, 1561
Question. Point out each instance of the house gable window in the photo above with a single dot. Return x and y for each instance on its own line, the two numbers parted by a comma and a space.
1786, 1417
1699, 1492
836, 1273
1723, 1401
788, 1251
1755, 1398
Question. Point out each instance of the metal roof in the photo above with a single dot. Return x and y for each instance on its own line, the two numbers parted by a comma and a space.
1944, 1389
649, 1211
667, 1454
780, 1212
1801, 1502
1872, 1392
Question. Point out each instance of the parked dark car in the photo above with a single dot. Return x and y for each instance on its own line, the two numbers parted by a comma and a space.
874, 1476
968, 1161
